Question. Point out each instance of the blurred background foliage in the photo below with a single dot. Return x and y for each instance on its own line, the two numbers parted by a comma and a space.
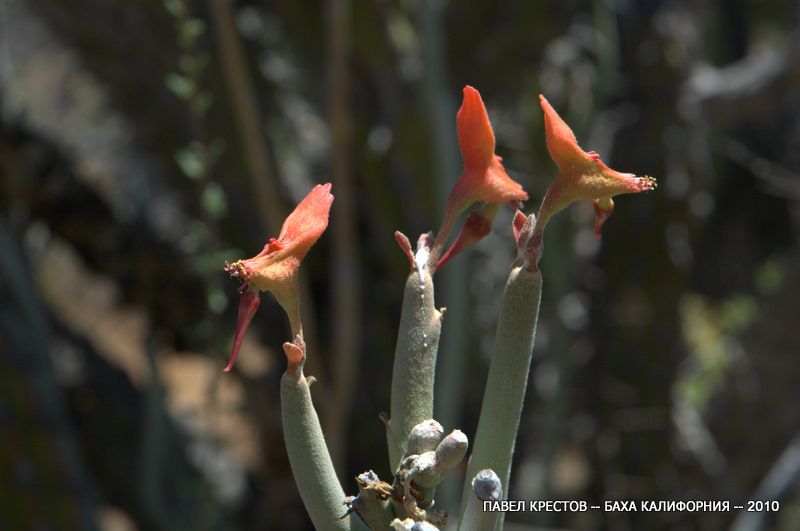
145, 142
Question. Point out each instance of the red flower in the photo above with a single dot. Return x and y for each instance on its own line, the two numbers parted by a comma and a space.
483, 180
274, 269
581, 175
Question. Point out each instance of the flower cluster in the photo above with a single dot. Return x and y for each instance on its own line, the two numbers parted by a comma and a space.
581, 175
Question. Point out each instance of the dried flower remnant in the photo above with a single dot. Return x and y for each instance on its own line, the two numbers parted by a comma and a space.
581, 174
274, 269
484, 179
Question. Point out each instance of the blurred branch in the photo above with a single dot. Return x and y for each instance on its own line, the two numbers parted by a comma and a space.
263, 181
747, 89
783, 475
243, 101
780, 180
346, 275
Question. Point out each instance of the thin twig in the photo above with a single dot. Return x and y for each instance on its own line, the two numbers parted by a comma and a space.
346, 277
783, 475
245, 108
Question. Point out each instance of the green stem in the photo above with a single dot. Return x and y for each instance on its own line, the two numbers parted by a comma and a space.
493, 445
414, 360
311, 463
346, 276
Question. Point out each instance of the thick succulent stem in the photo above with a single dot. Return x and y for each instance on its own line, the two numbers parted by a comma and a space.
312, 468
493, 445
415, 354
485, 487
371, 503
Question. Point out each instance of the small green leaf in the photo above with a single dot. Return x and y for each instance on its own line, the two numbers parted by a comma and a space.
189, 31
214, 200
190, 160
176, 8
217, 301
182, 86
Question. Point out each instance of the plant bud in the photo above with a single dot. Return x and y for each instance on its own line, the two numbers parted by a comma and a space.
424, 437
451, 450
487, 486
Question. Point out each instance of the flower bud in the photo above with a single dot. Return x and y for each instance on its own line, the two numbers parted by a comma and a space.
424, 437
452, 450
487, 486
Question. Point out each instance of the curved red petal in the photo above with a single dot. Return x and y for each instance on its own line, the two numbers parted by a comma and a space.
475, 135
308, 221
500, 187
477, 225
603, 208
561, 142
248, 306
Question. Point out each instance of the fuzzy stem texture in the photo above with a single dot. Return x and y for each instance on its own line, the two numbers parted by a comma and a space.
414, 361
376, 513
493, 446
311, 463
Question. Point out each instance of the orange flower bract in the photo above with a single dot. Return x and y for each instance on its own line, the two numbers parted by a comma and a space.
274, 269
484, 179
581, 174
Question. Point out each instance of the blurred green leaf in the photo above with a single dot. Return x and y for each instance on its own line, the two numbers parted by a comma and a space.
189, 31
737, 313
191, 161
217, 300
768, 277
214, 200
177, 8
182, 86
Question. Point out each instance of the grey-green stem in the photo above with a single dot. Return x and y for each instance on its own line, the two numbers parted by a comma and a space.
311, 464
415, 355
375, 512
493, 445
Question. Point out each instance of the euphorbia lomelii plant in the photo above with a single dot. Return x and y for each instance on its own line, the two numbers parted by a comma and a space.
419, 452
